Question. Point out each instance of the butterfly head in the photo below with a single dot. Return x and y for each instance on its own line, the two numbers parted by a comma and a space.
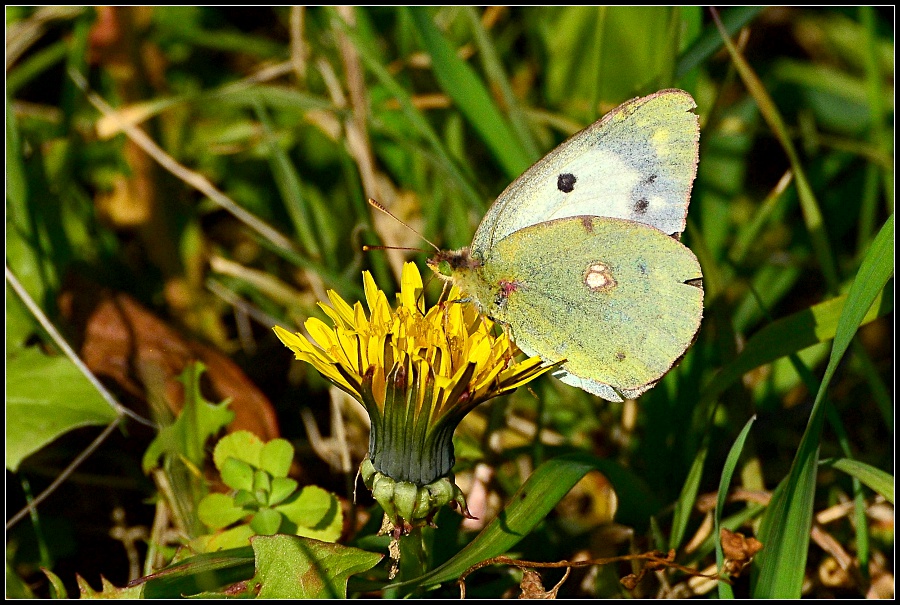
446, 263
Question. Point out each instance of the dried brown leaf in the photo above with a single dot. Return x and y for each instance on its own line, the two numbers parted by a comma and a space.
123, 342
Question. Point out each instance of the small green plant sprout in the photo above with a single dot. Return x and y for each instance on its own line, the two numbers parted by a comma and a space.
263, 500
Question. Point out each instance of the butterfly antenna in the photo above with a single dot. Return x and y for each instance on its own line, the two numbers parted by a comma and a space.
368, 248
378, 206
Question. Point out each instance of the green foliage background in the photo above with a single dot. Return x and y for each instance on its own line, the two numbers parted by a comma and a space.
294, 117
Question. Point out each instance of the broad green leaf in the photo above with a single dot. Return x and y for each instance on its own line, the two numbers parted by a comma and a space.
291, 567
245, 498
262, 483
266, 522
240, 445
788, 518
107, 590
875, 478
45, 398
218, 510
237, 474
315, 512
282, 487
234, 537
276, 457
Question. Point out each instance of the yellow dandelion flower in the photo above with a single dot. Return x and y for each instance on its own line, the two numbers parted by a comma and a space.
417, 374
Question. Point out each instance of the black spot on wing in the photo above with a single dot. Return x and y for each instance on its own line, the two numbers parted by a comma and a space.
566, 182
640, 206
697, 282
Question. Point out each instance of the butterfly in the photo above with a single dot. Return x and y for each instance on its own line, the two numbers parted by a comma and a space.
580, 257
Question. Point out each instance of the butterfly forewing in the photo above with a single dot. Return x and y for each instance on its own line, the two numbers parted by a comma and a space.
637, 163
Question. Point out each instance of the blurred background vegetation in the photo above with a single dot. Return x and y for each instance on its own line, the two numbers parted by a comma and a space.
181, 179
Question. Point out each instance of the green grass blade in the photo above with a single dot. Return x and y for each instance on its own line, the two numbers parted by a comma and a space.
188, 26
791, 334
496, 73
874, 272
844, 442
418, 122
875, 478
812, 215
688, 24
34, 66
275, 97
884, 401
288, 182
787, 521
709, 42
786, 524
27, 254
466, 88
879, 115
734, 454
528, 506
685, 503
749, 234
198, 573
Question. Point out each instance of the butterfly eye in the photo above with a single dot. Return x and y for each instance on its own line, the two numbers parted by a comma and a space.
444, 268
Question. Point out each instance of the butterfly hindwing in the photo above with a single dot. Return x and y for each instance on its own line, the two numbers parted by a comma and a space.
618, 300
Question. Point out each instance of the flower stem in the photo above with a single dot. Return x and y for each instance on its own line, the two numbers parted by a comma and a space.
413, 555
